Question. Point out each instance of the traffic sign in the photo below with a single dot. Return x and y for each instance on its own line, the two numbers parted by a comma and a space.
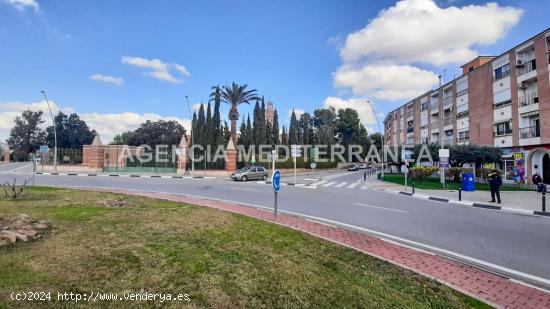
276, 180
44, 148
406, 155
444, 153
295, 151
313, 165
444, 162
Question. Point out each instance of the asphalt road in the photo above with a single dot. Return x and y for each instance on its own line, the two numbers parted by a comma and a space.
513, 244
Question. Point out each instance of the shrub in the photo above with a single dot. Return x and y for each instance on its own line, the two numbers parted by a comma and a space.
454, 173
422, 172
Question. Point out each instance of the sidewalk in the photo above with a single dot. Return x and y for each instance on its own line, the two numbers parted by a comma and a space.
521, 200
493, 289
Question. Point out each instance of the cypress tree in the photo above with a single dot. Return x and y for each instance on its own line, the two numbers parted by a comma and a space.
284, 137
262, 131
199, 126
275, 128
294, 130
249, 133
243, 134
256, 124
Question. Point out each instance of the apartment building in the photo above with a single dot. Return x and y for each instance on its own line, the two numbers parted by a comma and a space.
502, 101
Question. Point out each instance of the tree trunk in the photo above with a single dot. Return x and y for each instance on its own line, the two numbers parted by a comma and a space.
234, 130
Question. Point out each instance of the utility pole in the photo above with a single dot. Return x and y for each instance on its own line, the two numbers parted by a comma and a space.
192, 139
54, 133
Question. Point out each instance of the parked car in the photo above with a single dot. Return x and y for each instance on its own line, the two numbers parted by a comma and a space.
250, 173
353, 167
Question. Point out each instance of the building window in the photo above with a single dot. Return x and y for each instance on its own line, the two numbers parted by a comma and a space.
424, 106
463, 136
502, 128
502, 72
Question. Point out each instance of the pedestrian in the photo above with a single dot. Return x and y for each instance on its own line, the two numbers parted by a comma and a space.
495, 181
365, 176
537, 180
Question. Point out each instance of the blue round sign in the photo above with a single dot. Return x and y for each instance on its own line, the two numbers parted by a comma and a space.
276, 180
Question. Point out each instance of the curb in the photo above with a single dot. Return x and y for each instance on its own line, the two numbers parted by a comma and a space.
516, 211
126, 175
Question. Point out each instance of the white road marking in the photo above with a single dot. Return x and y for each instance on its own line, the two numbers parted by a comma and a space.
329, 184
381, 235
353, 185
378, 207
340, 184
245, 189
319, 183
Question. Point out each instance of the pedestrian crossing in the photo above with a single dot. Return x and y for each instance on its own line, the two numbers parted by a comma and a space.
358, 185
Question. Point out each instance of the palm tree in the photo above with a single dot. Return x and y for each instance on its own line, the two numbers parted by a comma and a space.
234, 95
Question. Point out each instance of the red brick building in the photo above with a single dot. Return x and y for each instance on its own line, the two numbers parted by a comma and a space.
502, 101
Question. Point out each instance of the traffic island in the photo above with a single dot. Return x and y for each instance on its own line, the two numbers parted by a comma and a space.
120, 243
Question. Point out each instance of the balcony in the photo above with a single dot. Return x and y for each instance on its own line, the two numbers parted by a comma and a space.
448, 121
527, 66
462, 114
447, 101
529, 132
435, 124
410, 113
529, 98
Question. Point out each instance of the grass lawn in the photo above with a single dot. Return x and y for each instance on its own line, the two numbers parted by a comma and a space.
220, 259
432, 183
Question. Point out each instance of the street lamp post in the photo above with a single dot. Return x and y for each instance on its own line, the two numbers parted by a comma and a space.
54, 133
382, 134
192, 139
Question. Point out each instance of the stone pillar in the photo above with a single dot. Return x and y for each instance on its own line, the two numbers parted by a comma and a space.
6, 155
230, 156
183, 150
94, 154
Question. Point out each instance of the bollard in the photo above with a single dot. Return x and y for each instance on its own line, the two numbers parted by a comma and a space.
544, 201
412, 182
460, 193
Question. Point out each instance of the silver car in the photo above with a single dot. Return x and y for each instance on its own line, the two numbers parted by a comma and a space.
250, 173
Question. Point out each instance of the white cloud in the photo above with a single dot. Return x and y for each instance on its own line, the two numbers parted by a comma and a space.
10, 110
297, 111
119, 81
363, 108
21, 5
420, 31
380, 60
159, 70
107, 125
385, 82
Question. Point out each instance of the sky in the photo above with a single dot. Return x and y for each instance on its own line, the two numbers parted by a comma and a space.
119, 63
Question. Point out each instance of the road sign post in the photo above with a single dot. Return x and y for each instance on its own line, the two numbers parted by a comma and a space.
276, 183
406, 157
295, 152
443, 164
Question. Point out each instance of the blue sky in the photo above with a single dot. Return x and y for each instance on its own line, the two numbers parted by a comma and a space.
297, 53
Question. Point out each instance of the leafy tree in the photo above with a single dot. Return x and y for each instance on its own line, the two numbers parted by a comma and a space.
376, 139
121, 139
306, 128
72, 132
460, 154
324, 122
234, 95
27, 136
157, 133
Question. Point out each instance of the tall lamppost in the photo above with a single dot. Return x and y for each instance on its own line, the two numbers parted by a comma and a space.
192, 139
54, 133
382, 133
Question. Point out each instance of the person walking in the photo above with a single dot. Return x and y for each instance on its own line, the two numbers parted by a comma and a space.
365, 175
495, 181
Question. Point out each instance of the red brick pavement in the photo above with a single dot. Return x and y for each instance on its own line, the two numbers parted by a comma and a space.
490, 288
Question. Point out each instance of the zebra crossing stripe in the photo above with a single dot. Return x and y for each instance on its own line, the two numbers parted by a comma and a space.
353, 185
329, 184
318, 183
341, 184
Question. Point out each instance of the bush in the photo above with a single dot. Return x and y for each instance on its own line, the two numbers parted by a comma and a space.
422, 172
454, 173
